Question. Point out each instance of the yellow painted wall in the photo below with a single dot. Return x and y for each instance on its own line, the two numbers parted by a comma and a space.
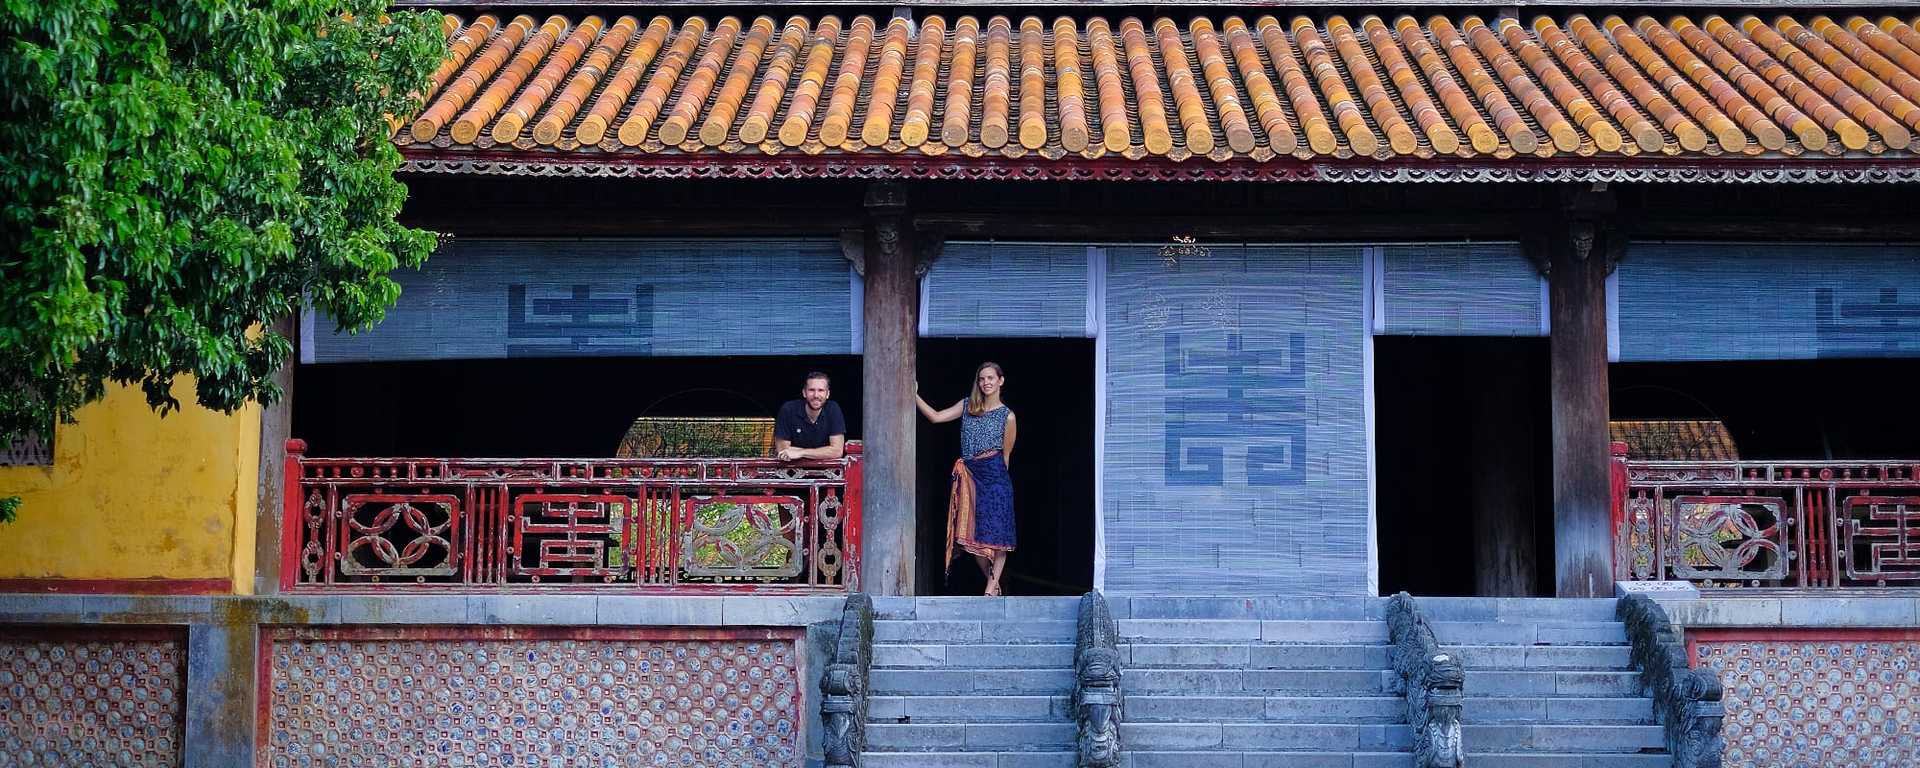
132, 495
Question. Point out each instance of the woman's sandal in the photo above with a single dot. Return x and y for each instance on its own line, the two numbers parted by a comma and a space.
993, 590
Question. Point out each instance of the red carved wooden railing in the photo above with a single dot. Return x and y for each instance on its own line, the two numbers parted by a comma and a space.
638, 525
1767, 523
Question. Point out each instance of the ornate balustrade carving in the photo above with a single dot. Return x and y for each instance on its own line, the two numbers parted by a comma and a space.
843, 686
747, 524
1756, 523
1098, 702
1433, 682
1686, 700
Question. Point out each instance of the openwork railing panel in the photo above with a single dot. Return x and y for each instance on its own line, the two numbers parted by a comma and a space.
1756, 523
725, 523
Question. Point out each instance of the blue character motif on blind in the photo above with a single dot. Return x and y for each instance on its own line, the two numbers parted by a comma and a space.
1240, 400
613, 322
1866, 323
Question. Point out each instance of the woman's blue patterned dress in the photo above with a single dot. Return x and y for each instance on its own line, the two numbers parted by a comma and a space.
993, 488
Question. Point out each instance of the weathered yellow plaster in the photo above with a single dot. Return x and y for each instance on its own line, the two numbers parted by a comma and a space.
133, 495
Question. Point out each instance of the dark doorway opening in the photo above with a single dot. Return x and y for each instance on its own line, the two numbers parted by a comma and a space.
1463, 484
539, 407
1050, 389
1783, 409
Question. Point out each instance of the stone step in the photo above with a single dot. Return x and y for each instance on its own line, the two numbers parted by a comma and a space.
969, 709
977, 608
1551, 683
1567, 760
1451, 633
1054, 759
1557, 709
1324, 682
1566, 738
1270, 709
1255, 608
955, 631
1538, 609
1140, 631
1013, 656
917, 682
1263, 759
1588, 657
970, 737
1187, 737
1256, 655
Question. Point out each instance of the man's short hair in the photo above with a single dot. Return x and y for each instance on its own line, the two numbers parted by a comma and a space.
817, 375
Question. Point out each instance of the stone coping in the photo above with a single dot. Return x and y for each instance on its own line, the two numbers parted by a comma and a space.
1890, 612
1884, 609
557, 610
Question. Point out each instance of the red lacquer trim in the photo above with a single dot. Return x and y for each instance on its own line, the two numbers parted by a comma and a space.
856, 485
435, 632
291, 501
1617, 496
118, 586
14, 633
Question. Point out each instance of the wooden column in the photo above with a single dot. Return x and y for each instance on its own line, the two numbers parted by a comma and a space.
889, 262
1577, 254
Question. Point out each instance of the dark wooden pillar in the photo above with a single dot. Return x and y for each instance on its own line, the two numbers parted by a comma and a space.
1504, 452
1578, 252
889, 261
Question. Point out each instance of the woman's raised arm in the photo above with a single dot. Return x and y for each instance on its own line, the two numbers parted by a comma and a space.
941, 416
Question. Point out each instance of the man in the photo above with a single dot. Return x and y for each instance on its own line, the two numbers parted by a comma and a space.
812, 426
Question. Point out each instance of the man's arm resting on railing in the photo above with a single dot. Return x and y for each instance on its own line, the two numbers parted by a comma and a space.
835, 448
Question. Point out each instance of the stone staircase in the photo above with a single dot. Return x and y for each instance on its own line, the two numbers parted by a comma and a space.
1550, 683
1250, 682
1238, 682
970, 682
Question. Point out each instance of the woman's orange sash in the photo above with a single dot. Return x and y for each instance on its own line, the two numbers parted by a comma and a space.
959, 511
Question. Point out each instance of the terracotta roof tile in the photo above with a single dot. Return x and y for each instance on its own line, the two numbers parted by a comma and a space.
1221, 87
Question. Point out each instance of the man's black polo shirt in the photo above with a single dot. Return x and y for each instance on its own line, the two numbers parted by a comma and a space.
792, 425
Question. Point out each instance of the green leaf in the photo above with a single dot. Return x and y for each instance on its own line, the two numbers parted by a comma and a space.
176, 176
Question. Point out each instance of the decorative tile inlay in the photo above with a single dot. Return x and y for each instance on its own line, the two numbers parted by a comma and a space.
519, 697
68, 699
1845, 699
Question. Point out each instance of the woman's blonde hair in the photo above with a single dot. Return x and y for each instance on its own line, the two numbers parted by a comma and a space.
976, 401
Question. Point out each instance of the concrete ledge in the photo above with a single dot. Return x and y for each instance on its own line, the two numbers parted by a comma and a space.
1795, 612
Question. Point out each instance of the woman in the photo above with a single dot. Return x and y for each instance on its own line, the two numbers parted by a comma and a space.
980, 511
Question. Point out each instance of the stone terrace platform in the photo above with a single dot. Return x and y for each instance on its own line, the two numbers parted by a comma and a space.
236, 666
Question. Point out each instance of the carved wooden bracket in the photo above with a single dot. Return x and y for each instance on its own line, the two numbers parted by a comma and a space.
1586, 226
853, 247
891, 223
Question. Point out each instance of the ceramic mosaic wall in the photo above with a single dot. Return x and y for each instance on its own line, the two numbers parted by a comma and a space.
68, 699
1836, 702
522, 698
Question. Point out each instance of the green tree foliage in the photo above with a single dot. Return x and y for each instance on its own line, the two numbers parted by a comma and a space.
176, 175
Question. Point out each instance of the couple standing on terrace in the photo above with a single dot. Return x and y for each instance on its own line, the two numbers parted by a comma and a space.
980, 507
